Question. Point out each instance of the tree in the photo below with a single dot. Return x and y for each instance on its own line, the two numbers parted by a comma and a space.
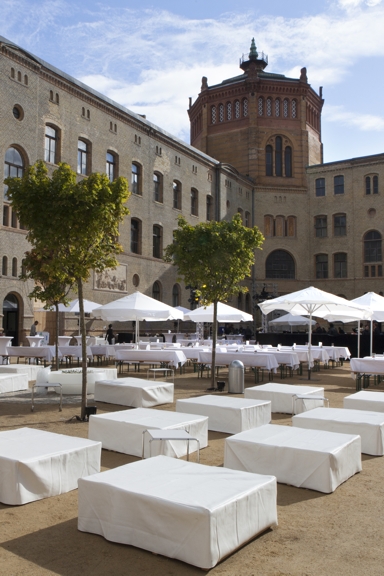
214, 257
76, 222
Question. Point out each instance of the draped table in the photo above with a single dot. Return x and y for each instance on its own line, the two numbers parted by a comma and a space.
173, 357
362, 368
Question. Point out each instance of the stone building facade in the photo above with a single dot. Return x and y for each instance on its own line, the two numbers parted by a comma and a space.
255, 149
322, 223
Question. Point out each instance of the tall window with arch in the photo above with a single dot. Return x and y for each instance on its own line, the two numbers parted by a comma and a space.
82, 157
285, 108
176, 295
221, 112
229, 111
373, 254
321, 263
136, 236
110, 166
176, 194
213, 115
156, 290
245, 107
209, 206
50, 144
136, 178
13, 166
157, 245
157, 187
237, 109
277, 107
4, 266
260, 106
14, 267
293, 108
194, 202
278, 156
269, 107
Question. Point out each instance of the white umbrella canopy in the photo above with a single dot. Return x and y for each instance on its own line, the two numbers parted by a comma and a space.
225, 313
293, 320
183, 310
375, 302
73, 306
314, 302
136, 307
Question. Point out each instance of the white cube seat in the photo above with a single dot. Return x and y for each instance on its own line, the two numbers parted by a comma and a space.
134, 392
281, 396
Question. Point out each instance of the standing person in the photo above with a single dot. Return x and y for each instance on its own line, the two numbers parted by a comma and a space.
33, 330
109, 335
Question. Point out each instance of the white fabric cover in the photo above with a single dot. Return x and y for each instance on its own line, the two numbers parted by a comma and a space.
365, 400
230, 415
281, 395
194, 513
35, 464
174, 357
42, 375
123, 431
368, 425
71, 381
29, 369
13, 382
42, 352
134, 392
367, 365
252, 360
312, 459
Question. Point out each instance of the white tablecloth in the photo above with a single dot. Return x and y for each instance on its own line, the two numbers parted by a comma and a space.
230, 415
250, 360
367, 366
35, 464
74, 351
42, 352
364, 400
123, 431
289, 358
312, 459
174, 357
71, 381
318, 353
368, 425
134, 392
13, 382
337, 352
194, 513
281, 396
103, 350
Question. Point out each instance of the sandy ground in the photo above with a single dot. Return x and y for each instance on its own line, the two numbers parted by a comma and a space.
335, 534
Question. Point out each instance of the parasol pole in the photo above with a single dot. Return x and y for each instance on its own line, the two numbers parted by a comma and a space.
358, 338
371, 343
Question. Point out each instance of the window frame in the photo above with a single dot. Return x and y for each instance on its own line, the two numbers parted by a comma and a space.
157, 241
321, 266
194, 202
338, 184
136, 178
136, 236
176, 188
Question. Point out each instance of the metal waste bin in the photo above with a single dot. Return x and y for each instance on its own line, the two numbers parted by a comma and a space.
236, 377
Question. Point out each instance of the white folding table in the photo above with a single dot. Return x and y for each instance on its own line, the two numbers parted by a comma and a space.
313, 459
134, 392
365, 400
122, 431
281, 396
194, 513
229, 415
35, 464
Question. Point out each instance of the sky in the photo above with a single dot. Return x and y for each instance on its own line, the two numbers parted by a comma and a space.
150, 55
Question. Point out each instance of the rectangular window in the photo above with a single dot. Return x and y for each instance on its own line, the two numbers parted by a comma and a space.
338, 184
136, 179
82, 165
340, 265
321, 226
322, 266
50, 145
340, 225
367, 185
320, 186
375, 184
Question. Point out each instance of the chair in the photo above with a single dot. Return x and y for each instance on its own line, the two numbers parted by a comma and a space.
43, 384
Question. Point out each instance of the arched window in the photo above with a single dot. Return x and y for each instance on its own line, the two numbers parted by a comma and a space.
14, 267
157, 187
245, 107
277, 107
156, 290
213, 115
372, 254
237, 109
176, 195
13, 166
50, 144
229, 111
82, 157
209, 206
279, 226
136, 236
269, 106
269, 160
288, 161
111, 166
293, 108
4, 269
194, 202
375, 184
280, 264
136, 179
278, 156
221, 112
260, 106
367, 184
176, 295
157, 241
285, 108
321, 261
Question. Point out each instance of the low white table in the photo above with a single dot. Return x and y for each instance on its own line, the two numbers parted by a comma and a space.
13, 382
178, 435
122, 431
281, 396
229, 415
365, 400
194, 513
368, 425
71, 381
35, 464
134, 392
312, 459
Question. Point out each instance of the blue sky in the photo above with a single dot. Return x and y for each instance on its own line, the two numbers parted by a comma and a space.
150, 55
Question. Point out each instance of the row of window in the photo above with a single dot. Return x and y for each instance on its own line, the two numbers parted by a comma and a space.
5, 271
229, 111
339, 225
278, 159
371, 185
19, 76
279, 226
277, 107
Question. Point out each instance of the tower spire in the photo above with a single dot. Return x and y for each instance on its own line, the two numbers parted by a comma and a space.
253, 52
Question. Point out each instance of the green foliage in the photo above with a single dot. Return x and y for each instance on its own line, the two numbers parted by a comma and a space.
214, 257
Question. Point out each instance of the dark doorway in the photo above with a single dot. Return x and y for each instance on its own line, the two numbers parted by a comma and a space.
11, 318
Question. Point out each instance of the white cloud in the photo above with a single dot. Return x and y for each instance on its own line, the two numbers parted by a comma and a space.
364, 122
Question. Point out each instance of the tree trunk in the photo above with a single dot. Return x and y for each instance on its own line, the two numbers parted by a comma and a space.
57, 336
214, 340
83, 349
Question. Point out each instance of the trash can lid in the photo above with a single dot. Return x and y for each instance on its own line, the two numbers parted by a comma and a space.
236, 364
